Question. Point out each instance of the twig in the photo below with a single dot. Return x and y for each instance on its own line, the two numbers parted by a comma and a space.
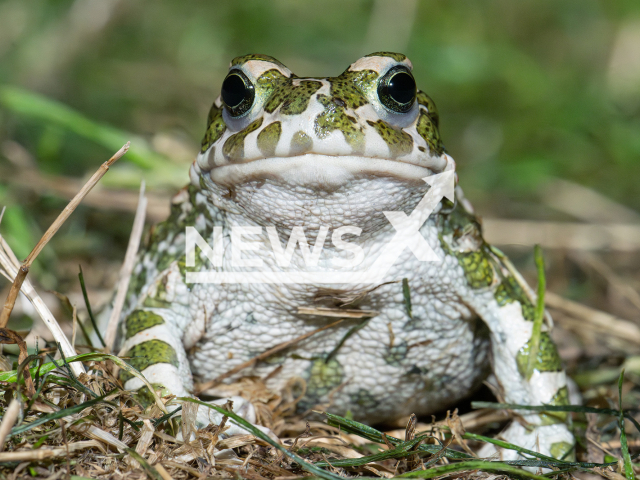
585, 204
10, 337
44, 453
127, 269
337, 312
8, 420
55, 226
8, 262
563, 235
613, 326
602, 268
163, 473
201, 387
102, 198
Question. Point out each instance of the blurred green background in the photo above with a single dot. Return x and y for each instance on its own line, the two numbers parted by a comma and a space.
528, 91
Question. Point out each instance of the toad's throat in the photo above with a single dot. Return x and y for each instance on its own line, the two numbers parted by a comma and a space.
325, 171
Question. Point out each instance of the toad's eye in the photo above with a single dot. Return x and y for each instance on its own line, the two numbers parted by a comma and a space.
397, 90
237, 93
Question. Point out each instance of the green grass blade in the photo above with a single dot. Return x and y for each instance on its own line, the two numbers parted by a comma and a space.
57, 415
546, 408
88, 305
497, 467
547, 461
624, 447
152, 472
309, 467
11, 376
402, 450
373, 435
33, 105
406, 294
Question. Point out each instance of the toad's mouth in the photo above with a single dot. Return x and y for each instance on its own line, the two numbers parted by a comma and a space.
314, 169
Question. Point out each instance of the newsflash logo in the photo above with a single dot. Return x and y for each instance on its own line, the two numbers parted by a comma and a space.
407, 235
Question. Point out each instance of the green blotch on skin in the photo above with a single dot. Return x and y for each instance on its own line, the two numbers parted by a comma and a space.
140, 320
298, 97
461, 224
399, 142
151, 302
149, 353
563, 451
461, 236
349, 88
200, 262
146, 398
234, 146
477, 268
398, 57
547, 359
255, 56
182, 215
424, 99
268, 86
511, 291
324, 377
396, 354
215, 128
427, 129
268, 138
294, 99
365, 399
334, 118
137, 282
301, 143
270, 78
560, 398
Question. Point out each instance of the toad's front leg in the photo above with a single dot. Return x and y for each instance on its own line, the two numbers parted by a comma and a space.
525, 380
154, 339
497, 293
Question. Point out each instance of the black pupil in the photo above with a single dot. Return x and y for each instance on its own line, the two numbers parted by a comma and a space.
402, 87
233, 90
